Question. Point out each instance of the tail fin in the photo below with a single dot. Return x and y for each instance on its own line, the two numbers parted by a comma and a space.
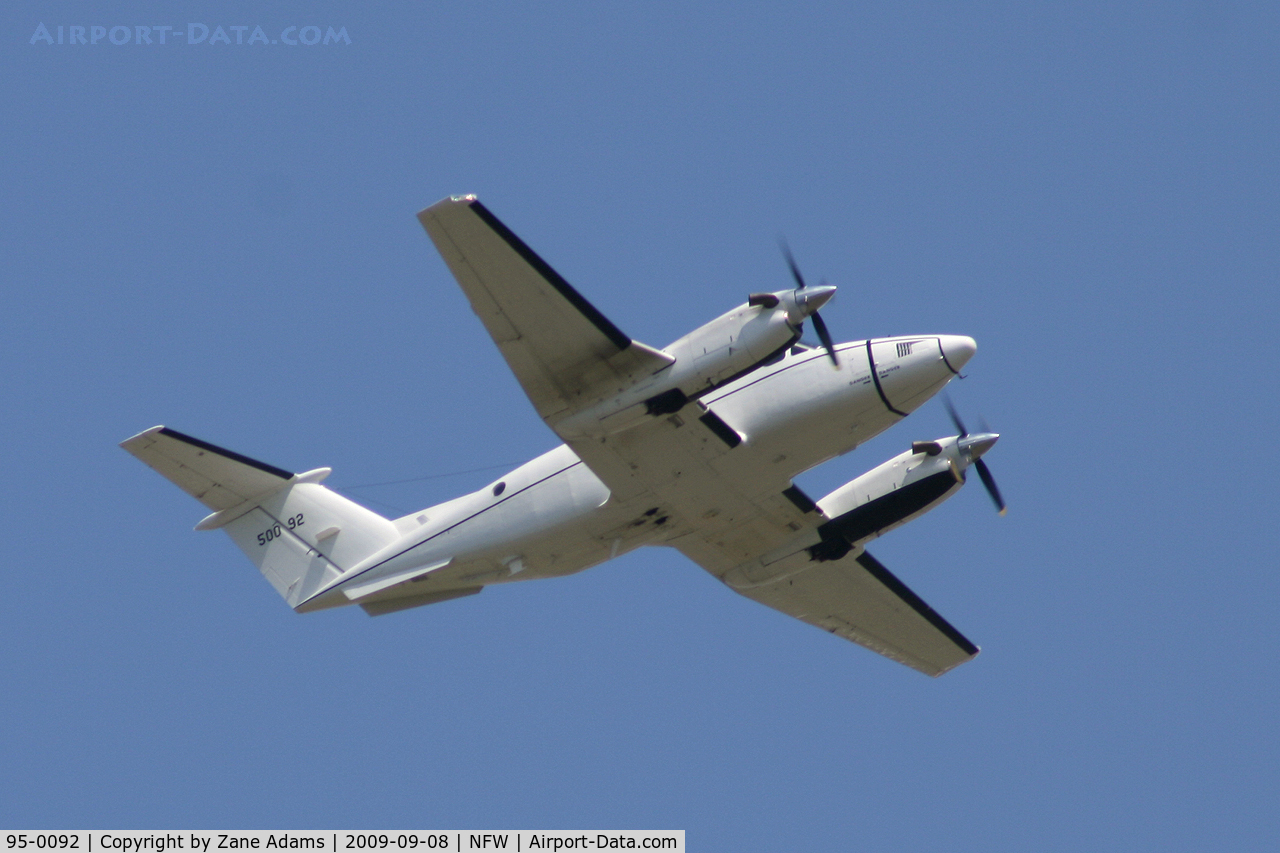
299, 534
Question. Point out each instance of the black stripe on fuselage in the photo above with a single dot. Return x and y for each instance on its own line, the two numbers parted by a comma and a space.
944, 358
553, 278
871, 359
797, 361
898, 588
230, 454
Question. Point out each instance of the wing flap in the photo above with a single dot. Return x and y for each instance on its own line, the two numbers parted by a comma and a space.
857, 598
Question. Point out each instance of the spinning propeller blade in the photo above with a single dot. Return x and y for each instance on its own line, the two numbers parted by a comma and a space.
955, 416
823, 335
990, 482
818, 325
791, 262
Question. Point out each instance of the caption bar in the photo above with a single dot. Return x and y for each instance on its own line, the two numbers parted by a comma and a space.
330, 841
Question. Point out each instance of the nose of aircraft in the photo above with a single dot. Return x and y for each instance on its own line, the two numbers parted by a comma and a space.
957, 350
910, 371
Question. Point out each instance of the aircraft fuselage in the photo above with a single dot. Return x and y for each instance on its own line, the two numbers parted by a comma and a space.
553, 516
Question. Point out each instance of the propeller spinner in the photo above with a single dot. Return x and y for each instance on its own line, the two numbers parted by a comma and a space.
974, 446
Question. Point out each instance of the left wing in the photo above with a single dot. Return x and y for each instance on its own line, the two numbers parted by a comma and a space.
565, 353
857, 598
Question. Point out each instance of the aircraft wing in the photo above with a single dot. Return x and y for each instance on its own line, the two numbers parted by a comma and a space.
857, 598
565, 353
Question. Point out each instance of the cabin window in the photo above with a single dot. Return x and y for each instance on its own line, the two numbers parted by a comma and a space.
499, 489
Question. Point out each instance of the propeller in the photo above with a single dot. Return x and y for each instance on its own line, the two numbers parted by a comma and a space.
818, 325
975, 447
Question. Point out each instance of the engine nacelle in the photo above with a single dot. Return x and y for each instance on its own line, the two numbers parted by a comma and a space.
889, 495
729, 346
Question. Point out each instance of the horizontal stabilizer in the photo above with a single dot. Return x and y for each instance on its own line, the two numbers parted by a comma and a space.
218, 478
300, 535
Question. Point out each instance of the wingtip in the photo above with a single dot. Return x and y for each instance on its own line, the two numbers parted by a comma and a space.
941, 672
146, 433
447, 201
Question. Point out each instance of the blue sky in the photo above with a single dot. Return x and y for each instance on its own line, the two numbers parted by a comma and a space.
221, 238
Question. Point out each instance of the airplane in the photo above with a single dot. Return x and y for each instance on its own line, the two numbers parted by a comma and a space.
694, 446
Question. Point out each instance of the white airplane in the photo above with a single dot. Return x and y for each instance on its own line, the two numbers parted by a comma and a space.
693, 446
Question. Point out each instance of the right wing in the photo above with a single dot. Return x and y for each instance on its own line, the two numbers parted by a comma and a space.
565, 353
